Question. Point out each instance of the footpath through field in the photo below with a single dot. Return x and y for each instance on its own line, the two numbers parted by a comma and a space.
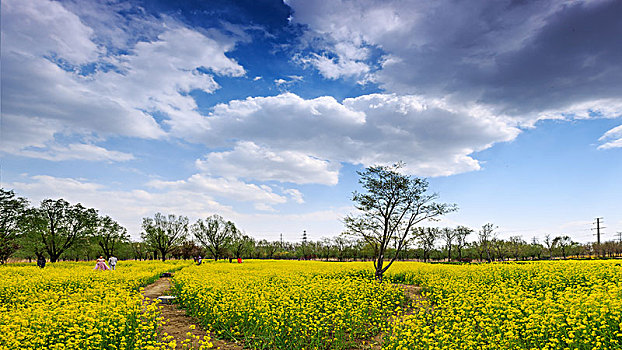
177, 324
413, 293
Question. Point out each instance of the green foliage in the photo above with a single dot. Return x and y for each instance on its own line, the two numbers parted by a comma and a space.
162, 233
389, 209
215, 234
56, 226
12, 210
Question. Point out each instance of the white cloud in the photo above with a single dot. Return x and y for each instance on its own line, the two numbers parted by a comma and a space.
286, 82
335, 68
223, 187
295, 195
431, 136
129, 207
612, 137
54, 73
40, 28
249, 161
77, 152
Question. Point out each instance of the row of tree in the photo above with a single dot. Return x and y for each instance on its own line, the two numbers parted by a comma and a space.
55, 228
58, 230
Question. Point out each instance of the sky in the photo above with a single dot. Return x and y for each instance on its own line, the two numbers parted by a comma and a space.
263, 111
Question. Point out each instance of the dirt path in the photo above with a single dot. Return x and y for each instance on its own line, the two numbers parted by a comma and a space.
414, 295
177, 323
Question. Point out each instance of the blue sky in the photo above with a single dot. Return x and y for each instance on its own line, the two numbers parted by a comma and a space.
263, 111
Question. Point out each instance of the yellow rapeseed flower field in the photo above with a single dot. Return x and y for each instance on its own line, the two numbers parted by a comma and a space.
288, 304
69, 306
534, 305
320, 305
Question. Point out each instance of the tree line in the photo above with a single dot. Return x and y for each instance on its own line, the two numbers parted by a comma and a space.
58, 230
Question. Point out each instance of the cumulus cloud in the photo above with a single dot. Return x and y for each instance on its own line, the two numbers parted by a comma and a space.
59, 72
523, 60
433, 137
247, 160
223, 187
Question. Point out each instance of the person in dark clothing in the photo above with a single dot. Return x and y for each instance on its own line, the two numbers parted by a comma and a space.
41, 261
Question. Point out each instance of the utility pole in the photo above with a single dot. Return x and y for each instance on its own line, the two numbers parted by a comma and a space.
304, 245
619, 236
281, 241
598, 222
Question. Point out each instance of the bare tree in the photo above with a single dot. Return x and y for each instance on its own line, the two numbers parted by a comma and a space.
461, 239
563, 242
448, 235
163, 233
426, 237
389, 209
535, 248
215, 234
486, 234
548, 243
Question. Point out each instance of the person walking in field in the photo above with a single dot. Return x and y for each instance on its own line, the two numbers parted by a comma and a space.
41, 261
101, 264
113, 262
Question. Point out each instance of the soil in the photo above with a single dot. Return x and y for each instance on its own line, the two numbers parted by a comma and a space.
414, 295
177, 323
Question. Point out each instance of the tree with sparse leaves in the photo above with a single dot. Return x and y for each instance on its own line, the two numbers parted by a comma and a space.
268, 248
563, 243
163, 233
485, 237
389, 209
461, 239
448, 235
215, 234
242, 245
110, 234
548, 243
426, 237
